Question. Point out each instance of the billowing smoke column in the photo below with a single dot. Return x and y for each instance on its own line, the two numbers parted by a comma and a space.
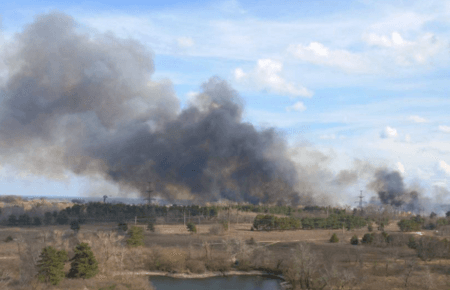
86, 104
391, 190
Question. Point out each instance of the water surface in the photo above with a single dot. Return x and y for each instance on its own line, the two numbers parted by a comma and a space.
217, 283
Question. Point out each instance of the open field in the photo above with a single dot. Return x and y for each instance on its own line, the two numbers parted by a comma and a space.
364, 267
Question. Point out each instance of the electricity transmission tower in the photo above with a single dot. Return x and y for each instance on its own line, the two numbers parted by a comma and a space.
361, 202
104, 198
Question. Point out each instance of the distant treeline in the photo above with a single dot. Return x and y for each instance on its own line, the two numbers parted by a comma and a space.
333, 221
100, 212
417, 223
287, 210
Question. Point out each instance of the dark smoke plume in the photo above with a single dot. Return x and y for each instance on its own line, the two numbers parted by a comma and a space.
392, 191
87, 104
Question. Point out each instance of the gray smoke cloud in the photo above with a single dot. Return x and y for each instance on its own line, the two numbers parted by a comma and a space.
391, 190
87, 104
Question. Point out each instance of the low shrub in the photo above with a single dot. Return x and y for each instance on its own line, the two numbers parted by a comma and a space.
354, 240
220, 263
216, 230
195, 266
191, 227
370, 228
368, 238
334, 239
8, 239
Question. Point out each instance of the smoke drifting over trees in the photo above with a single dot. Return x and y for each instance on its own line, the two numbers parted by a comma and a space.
87, 104
392, 191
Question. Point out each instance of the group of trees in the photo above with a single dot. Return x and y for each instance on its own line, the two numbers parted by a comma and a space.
270, 222
335, 221
51, 264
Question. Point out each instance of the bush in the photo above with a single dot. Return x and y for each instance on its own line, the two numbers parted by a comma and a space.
354, 240
367, 239
75, 226
8, 239
251, 241
122, 226
225, 225
334, 239
84, 265
136, 237
218, 264
191, 227
196, 266
411, 225
150, 227
216, 230
51, 265
370, 228
412, 244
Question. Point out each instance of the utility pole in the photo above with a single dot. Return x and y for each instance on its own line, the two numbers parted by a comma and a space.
184, 217
149, 192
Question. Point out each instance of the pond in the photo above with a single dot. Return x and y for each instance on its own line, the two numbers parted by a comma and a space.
217, 283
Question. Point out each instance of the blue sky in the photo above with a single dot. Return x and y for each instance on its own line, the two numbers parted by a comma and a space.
363, 79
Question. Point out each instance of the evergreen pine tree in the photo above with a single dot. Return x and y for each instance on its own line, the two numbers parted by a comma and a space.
51, 265
84, 265
136, 237
37, 221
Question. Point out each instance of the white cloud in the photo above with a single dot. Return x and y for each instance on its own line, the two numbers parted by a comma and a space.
381, 40
185, 42
406, 52
317, 53
328, 137
388, 132
400, 167
299, 107
239, 74
444, 166
418, 119
266, 76
445, 129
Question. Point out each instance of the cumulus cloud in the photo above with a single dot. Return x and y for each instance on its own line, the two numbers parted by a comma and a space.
266, 76
400, 167
298, 107
317, 53
418, 119
185, 42
445, 129
388, 132
444, 166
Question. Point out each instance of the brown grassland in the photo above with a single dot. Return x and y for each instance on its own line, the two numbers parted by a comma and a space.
301, 256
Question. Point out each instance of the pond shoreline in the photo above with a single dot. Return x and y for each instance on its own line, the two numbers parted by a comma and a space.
284, 285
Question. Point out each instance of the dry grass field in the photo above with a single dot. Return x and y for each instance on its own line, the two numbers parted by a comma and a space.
358, 267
